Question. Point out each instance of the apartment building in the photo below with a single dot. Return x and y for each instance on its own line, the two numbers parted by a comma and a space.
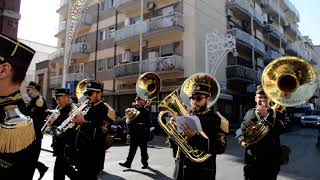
9, 17
107, 46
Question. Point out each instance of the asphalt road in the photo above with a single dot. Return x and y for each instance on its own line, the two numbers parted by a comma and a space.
304, 160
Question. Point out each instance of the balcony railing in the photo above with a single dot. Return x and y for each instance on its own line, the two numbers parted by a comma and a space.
242, 73
80, 50
245, 6
86, 20
298, 49
128, 5
150, 25
276, 33
271, 6
61, 30
63, 7
169, 64
294, 28
271, 54
248, 40
57, 54
75, 77
56, 81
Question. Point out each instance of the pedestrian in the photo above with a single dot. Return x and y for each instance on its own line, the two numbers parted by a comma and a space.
138, 133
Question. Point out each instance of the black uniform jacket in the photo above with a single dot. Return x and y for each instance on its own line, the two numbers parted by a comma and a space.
37, 111
266, 153
187, 169
67, 137
139, 128
15, 165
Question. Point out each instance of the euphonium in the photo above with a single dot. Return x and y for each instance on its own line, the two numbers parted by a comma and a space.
173, 103
46, 128
287, 81
83, 108
147, 88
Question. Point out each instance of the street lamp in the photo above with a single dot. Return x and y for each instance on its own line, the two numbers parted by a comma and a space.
217, 46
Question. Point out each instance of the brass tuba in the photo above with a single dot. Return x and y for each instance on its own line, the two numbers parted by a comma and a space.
147, 88
67, 123
174, 104
287, 81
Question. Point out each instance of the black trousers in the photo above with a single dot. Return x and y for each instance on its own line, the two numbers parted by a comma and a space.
37, 164
260, 173
62, 169
133, 149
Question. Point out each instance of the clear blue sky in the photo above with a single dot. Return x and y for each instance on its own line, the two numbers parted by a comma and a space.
309, 18
39, 20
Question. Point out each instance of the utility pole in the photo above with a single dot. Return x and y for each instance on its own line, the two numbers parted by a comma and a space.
140, 46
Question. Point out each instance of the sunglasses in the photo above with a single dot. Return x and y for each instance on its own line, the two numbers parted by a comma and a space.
197, 98
88, 93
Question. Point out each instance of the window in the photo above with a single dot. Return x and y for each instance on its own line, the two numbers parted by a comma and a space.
166, 50
111, 30
102, 35
110, 63
79, 68
101, 65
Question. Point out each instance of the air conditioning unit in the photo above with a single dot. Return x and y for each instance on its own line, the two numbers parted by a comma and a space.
151, 6
153, 55
126, 57
127, 21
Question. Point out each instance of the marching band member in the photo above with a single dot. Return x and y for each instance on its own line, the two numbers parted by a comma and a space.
139, 132
37, 111
15, 128
92, 133
63, 145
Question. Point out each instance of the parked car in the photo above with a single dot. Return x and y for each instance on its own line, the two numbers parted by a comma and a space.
311, 117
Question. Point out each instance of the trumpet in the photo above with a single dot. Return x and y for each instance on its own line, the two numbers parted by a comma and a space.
68, 124
46, 128
84, 107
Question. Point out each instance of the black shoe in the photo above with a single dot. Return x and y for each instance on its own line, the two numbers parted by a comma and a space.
42, 171
125, 165
145, 166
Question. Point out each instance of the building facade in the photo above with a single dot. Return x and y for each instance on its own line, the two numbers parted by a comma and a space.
107, 46
9, 17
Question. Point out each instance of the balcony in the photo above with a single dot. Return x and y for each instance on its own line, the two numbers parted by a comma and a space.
293, 28
86, 22
57, 54
62, 30
171, 65
275, 32
274, 9
292, 8
150, 27
247, 40
242, 8
241, 73
298, 50
126, 6
271, 55
63, 7
76, 77
80, 50
55, 81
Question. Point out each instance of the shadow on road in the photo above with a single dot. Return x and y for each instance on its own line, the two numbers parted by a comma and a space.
155, 174
104, 176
